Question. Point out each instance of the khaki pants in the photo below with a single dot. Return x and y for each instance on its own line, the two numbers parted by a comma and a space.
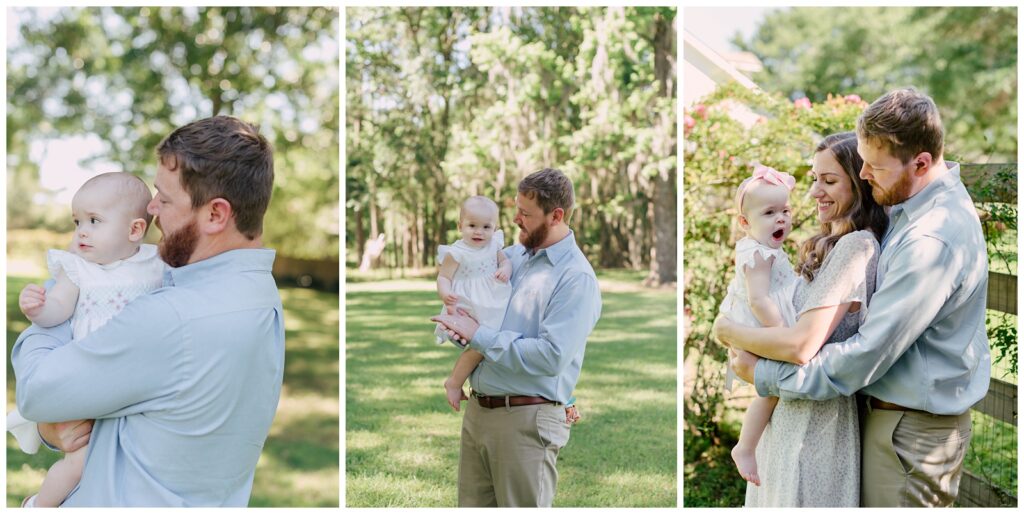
508, 455
912, 459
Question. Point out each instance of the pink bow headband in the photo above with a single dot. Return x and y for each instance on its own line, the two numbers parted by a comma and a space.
767, 174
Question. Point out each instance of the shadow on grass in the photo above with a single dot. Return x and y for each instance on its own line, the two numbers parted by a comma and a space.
402, 434
306, 443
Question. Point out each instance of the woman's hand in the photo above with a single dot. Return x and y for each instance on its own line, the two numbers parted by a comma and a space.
759, 275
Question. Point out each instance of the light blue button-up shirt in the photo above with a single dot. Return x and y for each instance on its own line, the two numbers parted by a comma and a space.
923, 344
183, 385
555, 304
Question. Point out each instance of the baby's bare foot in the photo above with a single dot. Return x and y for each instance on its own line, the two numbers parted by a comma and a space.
746, 463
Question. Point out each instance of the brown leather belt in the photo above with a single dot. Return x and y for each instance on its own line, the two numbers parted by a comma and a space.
493, 402
884, 405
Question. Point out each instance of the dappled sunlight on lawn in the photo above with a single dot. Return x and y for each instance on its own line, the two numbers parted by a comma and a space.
295, 403
294, 489
23, 481
363, 440
387, 490
403, 439
635, 370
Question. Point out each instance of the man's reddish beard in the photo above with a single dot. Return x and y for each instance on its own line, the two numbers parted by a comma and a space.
532, 239
898, 193
176, 247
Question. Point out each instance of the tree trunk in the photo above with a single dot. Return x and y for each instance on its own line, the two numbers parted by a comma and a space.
663, 254
417, 237
408, 245
360, 234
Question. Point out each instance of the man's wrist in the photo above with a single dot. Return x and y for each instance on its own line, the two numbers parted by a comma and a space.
483, 339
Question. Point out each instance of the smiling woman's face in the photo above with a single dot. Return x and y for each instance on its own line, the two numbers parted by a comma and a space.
832, 187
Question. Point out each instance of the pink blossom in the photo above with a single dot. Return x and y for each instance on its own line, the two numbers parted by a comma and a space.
853, 99
722, 154
802, 103
688, 123
701, 110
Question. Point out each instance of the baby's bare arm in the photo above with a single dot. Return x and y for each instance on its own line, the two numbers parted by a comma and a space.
765, 311
464, 366
58, 304
758, 281
504, 267
444, 280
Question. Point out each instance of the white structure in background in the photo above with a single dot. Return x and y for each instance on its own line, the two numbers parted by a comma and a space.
706, 69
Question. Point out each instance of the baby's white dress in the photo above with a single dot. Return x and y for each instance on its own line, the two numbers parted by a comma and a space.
736, 305
103, 291
480, 294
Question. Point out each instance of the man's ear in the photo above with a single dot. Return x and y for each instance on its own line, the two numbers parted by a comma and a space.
557, 215
136, 230
216, 216
922, 163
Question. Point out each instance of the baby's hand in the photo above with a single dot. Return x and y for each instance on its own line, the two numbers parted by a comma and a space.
451, 299
502, 275
32, 300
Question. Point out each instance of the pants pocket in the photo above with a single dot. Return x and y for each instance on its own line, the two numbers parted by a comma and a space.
551, 425
902, 453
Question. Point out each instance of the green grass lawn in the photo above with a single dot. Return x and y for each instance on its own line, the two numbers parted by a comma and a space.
402, 439
299, 464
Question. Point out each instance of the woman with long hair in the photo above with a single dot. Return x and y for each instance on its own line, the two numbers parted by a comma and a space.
809, 455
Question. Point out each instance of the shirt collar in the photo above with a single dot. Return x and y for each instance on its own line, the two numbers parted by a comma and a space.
229, 262
919, 203
556, 251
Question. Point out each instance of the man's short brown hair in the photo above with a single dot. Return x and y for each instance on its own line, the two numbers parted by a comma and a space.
550, 188
224, 157
905, 122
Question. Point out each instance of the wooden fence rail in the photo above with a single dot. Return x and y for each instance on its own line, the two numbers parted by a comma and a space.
993, 183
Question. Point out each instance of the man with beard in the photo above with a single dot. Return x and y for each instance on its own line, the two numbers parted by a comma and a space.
515, 422
183, 384
921, 357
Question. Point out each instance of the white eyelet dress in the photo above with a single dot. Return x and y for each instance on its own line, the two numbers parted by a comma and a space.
482, 295
103, 291
736, 305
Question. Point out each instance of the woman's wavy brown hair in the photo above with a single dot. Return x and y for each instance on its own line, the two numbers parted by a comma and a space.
862, 213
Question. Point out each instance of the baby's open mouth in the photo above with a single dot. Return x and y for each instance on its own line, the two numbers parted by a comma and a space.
779, 233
